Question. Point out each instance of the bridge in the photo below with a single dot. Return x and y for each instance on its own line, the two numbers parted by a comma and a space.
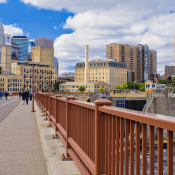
102, 139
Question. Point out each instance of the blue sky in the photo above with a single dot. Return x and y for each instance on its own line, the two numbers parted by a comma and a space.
37, 22
74, 24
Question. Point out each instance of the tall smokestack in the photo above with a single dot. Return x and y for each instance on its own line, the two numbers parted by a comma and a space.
86, 74
57, 73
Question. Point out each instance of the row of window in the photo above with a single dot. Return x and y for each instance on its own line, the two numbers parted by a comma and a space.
111, 69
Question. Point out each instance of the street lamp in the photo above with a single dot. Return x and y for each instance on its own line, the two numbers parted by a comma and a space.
33, 110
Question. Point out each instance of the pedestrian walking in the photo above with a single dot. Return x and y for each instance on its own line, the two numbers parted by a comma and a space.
23, 97
30, 95
19, 94
6, 95
27, 96
3, 95
0, 95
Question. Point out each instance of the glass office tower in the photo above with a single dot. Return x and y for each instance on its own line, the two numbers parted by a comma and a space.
22, 42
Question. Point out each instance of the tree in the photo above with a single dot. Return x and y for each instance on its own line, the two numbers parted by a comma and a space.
170, 81
130, 84
173, 78
56, 85
162, 81
55, 90
117, 87
81, 88
124, 86
101, 89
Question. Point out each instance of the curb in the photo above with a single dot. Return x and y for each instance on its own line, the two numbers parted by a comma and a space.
53, 149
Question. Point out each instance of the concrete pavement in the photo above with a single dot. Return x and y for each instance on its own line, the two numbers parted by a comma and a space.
7, 106
21, 150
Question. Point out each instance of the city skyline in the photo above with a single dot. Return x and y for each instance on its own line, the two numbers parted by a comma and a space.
96, 25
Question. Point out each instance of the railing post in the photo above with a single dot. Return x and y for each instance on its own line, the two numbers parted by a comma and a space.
56, 112
100, 137
68, 122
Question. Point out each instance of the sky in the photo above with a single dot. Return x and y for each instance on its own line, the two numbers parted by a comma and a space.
74, 24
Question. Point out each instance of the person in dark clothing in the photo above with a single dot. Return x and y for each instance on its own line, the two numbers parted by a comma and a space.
30, 95
19, 94
6, 95
27, 96
23, 97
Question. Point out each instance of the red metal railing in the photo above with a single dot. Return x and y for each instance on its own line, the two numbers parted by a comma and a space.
107, 140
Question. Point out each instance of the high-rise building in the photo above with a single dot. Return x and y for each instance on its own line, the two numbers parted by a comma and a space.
55, 66
140, 61
31, 44
2, 35
44, 42
6, 59
43, 55
22, 43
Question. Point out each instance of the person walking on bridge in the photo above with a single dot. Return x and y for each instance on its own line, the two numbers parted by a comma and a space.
6, 95
23, 97
0, 95
19, 94
30, 95
27, 96
3, 95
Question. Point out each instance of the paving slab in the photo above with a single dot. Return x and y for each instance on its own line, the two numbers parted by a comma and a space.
21, 151
53, 149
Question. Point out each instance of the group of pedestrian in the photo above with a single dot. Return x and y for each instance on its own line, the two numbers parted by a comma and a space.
4, 95
25, 96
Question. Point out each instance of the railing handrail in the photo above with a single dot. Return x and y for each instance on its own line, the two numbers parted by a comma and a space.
161, 121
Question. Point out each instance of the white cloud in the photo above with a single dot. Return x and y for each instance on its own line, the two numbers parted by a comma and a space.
101, 22
3, 1
13, 30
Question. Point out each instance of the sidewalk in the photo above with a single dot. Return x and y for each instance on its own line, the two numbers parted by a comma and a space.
21, 150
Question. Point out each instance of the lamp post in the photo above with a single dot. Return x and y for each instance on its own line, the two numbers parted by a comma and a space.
33, 110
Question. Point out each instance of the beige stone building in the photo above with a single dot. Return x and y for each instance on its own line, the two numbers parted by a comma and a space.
90, 87
44, 75
140, 61
11, 83
43, 55
5, 59
96, 74
109, 71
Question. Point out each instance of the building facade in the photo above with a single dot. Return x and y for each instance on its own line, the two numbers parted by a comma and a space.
43, 55
169, 70
22, 43
90, 87
6, 59
11, 83
44, 75
109, 71
44, 42
140, 61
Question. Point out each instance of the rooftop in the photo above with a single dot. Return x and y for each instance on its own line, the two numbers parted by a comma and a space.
19, 37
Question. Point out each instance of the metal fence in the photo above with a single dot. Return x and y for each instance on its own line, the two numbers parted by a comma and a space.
102, 139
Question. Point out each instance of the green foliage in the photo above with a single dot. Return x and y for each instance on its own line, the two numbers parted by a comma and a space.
82, 88
170, 81
117, 87
124, 86
56, 85
173, 90
55, 90
142, 88
166, 89
173, 78
162, 81
130, 84
101, 89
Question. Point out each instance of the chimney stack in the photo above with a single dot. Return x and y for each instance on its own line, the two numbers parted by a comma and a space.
57, 73
86, 74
